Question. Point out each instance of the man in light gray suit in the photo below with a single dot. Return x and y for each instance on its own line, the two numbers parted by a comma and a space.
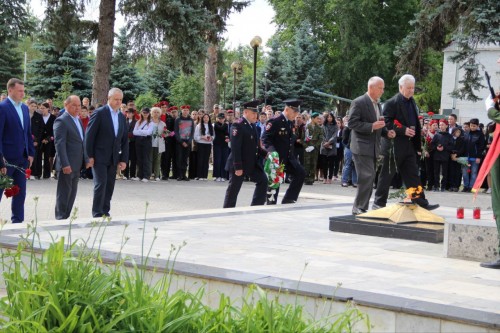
367, 126
68, 138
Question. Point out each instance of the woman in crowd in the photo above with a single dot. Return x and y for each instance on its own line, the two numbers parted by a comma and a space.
158, 142
204, 136
455, 169
131, 168
328, 148
143, 131
339, 156
47, 149
193, 154
221, 149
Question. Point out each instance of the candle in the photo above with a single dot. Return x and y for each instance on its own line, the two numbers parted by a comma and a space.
460, 212
476, 213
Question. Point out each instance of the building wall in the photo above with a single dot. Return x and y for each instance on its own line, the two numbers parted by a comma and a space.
465, 110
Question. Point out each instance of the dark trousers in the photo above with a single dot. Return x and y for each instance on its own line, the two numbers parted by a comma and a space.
193, 164
204, 151
454, 174
182, 159
131, 169
297, 175
234, 186
328, 166
336, 162
299, 154
221, 153
440, 169
104, 185
168, 159
67, 186
19, 179
36, 167
407, 166
429, 168
44, 154
143, 152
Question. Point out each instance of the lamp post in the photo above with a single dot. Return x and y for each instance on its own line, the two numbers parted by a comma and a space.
255, 43
219, 83
265, 88
224, 80
235, 66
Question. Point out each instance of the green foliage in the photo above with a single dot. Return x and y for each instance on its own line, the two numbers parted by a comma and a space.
187, 89
14, 20
47, 72
277, 78
466, 24
428, 94
67, 288
123, 74
145, 100
10, 63
159, 74
66, 89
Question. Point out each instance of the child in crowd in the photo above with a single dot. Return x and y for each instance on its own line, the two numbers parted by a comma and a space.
442, 145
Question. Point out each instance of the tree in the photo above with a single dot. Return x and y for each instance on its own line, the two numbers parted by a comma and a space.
159, 74
187, 89
277, 83
66, 89
47, 72
10, 62
123, 74
465, 23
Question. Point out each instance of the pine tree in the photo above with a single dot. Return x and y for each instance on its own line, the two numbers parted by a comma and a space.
66, 88
48, 71
160, 74
123, 73
277, 86
10, 63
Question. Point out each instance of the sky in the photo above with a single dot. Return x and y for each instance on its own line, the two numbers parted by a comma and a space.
254, 20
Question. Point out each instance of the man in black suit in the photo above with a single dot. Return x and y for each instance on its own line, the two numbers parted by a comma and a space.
402, 110
366, 129
280, 136
68, 139
106, 145
244, 158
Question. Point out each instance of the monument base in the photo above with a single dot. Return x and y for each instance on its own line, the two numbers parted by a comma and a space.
418, 231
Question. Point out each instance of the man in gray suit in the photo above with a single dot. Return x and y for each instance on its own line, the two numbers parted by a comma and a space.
68, 138
106, 145
367, 126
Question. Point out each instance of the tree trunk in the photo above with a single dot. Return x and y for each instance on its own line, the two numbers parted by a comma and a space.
105, 38
210, 95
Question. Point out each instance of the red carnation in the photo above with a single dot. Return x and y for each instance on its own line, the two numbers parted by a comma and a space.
430, 113
398, 124
28, 173
12, 192
277, 179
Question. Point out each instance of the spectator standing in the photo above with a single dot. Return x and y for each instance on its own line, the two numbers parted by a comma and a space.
184, 131
474, 144
221, 148
339, 155
299, 128
158, 143
143, 132
36, 131
131, 169
329, 146
47, 149
204, 137
193, 153
455, 169
312, 140
170, 155
349, 175
442, 144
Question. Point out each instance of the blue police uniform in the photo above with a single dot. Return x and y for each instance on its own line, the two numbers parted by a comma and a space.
245, 154
280, 136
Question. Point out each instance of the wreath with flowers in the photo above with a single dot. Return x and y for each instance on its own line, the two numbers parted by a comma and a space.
275, 174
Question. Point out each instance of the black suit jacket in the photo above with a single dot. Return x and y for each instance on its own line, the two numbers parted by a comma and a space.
101, 144
279, 136
245, 148
37, 127
394, 109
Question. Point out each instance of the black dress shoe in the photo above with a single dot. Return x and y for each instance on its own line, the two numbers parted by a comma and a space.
186, 179
179, 179
288, 201
357, 211
431, 207
308, 183
491, 264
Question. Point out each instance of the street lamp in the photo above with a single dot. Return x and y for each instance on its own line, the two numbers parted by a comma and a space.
255, 43
219, 82
265, 88
235, 66
224, 80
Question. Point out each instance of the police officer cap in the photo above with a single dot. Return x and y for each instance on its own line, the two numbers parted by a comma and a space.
252, 105
293, 102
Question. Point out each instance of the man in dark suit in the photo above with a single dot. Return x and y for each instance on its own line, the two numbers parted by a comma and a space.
16, 143
366, 129
68, 139
403, 110
106, 145
280, 136
244, 158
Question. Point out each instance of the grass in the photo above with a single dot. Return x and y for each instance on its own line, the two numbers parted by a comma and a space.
67, 288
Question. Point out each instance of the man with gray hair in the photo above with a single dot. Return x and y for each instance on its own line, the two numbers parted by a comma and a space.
401, 116
106, 145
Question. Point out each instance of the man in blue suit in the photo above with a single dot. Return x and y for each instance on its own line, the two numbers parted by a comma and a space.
16, 143
106, 145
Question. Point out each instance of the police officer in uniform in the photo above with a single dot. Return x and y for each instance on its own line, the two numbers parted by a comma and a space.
280, 136
244, 158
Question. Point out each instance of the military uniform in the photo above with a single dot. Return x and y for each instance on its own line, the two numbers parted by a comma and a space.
245, 153
313, 136
280, 136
